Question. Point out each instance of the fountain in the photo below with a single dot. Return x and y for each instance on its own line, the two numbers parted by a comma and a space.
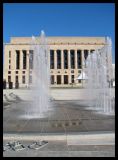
99, 69
41, 78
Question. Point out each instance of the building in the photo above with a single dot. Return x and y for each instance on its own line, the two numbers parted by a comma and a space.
66, 59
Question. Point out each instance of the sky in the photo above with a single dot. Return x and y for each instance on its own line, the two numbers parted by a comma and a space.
59, 19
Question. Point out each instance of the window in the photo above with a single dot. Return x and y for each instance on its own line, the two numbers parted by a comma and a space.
79, 71
72, 58
17, 59
79, 81
9, 72
92, 50
72, 71
85, 54
65, 59
65, 79
16, 79
58, 79
51, 59
9, 61
9, 66
24, 59
31, 59
79, 64
72, 78
23, 79
52, 79
23, 72
16, 72
9, 78
58, 59
9, 54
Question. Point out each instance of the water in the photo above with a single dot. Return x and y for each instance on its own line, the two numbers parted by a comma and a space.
40, 78
99, 72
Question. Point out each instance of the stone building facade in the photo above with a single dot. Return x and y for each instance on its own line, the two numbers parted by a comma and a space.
66, 57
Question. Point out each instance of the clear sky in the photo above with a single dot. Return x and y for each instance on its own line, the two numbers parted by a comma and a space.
59, 19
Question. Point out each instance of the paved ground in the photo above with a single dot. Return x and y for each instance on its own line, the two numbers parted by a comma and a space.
65, 116
56, 93
61, 149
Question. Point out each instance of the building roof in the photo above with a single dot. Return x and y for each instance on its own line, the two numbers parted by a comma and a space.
60, 40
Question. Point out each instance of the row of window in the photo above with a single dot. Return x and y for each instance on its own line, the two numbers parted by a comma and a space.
23, 72
23, 79
65, 58
52, 61
58, 79
24, 59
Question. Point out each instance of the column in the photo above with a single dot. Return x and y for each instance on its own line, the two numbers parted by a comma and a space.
49, 59
69, 67
83, 64
89, 52
21, 60
55, 59
82, 58
75, 59
27, 68
69, 78
62, 59
62, 79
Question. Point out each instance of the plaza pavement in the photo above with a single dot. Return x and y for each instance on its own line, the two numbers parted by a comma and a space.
56, 93
84, 144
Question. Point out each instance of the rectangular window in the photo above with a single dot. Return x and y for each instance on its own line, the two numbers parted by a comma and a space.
16, 79
9, 66
16, 72
58, 59
9, 78
52, 79
85, 54
72, 58
79, 81
9, 72
72, 78
23, 72
51, 59
9, 54
72, 71
23, 79
79, 64
58, 79
31, 59
92, 50
65, 79
65, 59
17, 59
24, 59
9, 61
